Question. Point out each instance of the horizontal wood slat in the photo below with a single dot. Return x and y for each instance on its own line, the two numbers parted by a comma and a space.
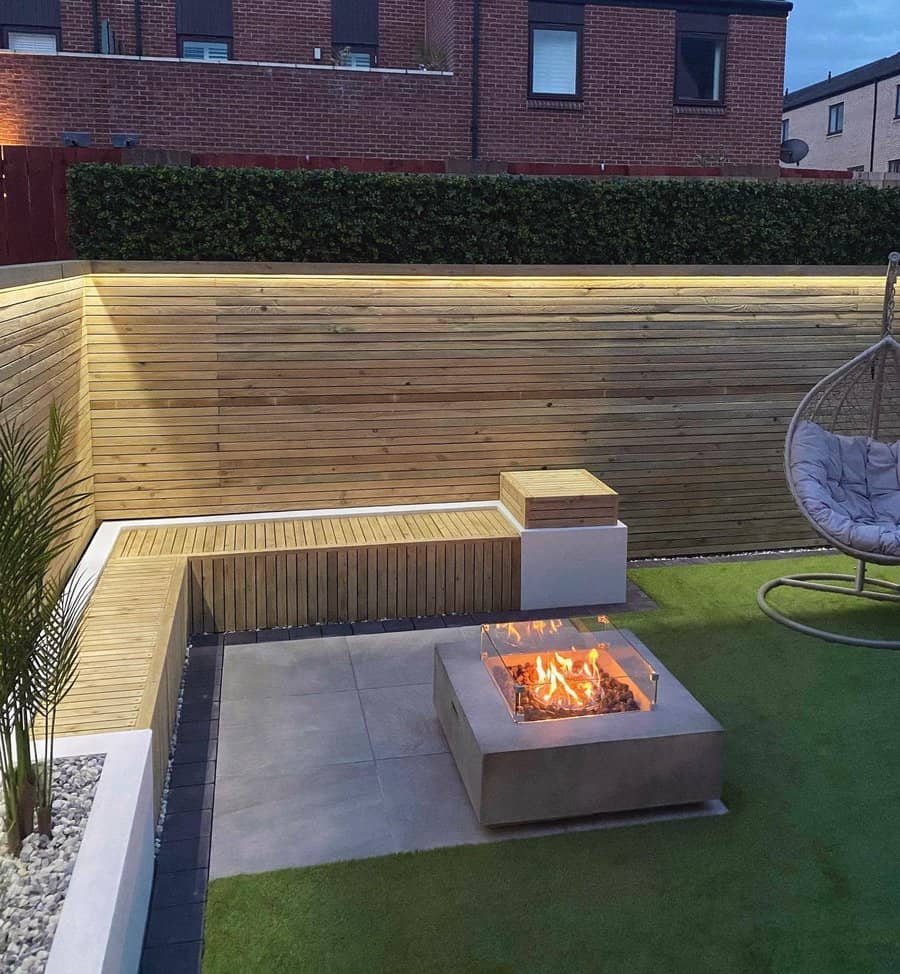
314, 532
43, 360
558, 498
132, 654
214, 392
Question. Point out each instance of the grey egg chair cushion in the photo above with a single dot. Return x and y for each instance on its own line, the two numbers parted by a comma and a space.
849, 487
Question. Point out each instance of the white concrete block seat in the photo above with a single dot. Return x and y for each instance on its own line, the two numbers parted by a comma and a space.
842, 461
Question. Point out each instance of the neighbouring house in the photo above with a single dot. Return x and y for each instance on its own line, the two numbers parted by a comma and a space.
654, 82
850, 121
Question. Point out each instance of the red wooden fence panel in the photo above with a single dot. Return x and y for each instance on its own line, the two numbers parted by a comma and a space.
33, 201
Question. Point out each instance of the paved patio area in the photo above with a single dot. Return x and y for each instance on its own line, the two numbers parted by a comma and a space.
329, 749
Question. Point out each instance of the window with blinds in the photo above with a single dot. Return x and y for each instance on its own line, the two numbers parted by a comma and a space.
555, 39
204, 50
26, 42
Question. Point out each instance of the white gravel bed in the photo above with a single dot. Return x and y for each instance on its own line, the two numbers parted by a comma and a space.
33, 887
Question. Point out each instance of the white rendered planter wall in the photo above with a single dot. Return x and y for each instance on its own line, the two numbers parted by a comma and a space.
101, 927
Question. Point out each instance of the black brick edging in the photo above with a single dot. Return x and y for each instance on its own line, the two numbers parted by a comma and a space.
173, 941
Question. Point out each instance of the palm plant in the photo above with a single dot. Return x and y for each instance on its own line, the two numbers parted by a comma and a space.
40, 505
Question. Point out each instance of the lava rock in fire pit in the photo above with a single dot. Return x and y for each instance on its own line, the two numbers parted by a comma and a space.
602, 694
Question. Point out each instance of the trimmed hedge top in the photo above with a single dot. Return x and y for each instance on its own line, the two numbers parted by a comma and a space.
184, 213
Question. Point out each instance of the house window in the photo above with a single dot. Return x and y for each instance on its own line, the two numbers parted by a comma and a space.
32, 41
354, 33
349, 57
200, 49
897, 103
785, 129
894, 165
555, 44
204, 29
836, 118
700, 58
856, 168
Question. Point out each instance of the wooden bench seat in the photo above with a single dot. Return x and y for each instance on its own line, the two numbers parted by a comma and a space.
133, 645
161, 584
353, 568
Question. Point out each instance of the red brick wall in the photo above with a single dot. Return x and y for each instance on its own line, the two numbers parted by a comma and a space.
77, 25
401, 33
157, 25
281, 30
158, 28
440, 19
626, 117
627, 114
120, 14
244, 108
286, 30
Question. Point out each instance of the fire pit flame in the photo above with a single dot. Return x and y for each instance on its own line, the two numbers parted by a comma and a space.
549, 682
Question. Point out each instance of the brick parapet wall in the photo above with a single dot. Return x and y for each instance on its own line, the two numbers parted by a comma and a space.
246, 108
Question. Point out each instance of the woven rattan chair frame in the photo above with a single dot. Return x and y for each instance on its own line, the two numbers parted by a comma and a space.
861, 397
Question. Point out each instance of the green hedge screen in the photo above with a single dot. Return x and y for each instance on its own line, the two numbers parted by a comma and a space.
194, 213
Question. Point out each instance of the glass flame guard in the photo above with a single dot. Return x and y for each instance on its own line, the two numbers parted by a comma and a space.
551, 669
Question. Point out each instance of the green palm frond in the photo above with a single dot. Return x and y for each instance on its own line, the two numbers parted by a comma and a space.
41, 505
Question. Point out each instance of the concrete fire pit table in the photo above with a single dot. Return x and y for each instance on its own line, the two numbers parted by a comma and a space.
559, 768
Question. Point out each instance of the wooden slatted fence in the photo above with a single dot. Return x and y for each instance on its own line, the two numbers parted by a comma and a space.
43, 360
223, 392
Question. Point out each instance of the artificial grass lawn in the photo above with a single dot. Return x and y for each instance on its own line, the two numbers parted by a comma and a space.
803, 874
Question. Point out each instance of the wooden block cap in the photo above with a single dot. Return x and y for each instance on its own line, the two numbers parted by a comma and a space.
558, 498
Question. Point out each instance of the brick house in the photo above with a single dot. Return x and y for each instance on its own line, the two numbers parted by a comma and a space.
604, 82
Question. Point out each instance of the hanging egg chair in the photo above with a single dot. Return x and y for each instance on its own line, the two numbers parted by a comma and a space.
842, 461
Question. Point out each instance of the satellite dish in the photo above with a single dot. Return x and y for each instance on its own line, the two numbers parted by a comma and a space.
793, 150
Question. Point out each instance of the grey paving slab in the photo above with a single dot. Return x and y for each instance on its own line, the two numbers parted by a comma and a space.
286, 735
288, 668
401, 721
298, 782
428, 807
393, 659
323, 815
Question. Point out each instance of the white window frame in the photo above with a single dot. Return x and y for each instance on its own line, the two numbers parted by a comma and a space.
25, 35
576, 32
836, 112
206, 45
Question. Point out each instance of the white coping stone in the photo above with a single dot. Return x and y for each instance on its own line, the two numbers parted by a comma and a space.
574, 566
273, 64
101, 927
